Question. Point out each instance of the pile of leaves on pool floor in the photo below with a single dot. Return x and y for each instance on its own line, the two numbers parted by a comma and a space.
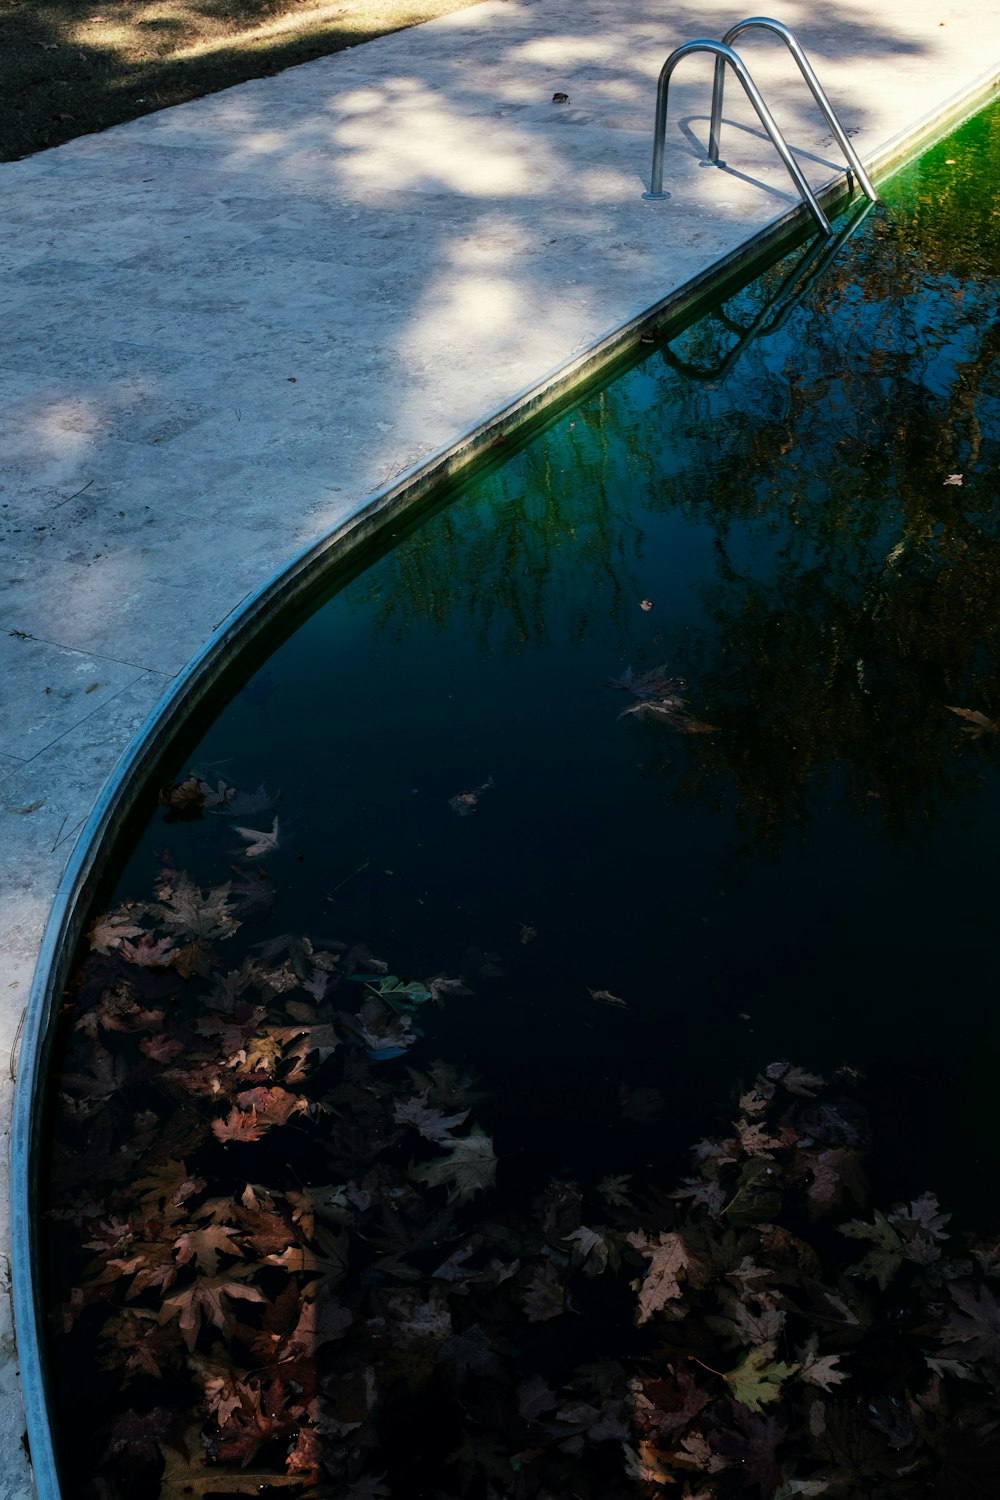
285, 1259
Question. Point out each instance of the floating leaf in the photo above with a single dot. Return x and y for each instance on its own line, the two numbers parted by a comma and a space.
980, 724
465, 803
668, 1258
261, 841
758, 1377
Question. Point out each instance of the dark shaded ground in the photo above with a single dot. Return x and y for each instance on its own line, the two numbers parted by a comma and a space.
70, 67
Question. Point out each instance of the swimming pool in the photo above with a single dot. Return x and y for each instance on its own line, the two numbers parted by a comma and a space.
672, 738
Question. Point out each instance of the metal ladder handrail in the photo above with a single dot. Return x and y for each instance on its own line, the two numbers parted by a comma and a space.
764, 23
725, 54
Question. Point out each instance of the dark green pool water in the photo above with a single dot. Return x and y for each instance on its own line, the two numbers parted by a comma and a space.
815, 879
808, 535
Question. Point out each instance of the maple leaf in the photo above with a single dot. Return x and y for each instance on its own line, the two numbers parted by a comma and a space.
238, 1125
185, 908
272, 1106
755, 1139
817, 1369
798, 1081
150, 953
668, 1258
920, 1228
884, 1259
137, 1437
543, 1295
645, 1462
108, 1073
303, 1042
695, 1452
186, 797
263, 1415
745, 1323
261, 841
754, 1445
106, 933
665, 1405
758, 1377
204, 1247
614, 1189
592, 1249
208, 1297
432, 1124
162, 1048
326, 1265
468, 1169
834, 1173
975, 1329
147, 1346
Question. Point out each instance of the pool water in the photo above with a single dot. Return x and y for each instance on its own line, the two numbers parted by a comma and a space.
674, 735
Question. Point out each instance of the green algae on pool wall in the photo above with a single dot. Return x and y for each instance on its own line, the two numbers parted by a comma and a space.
647, 791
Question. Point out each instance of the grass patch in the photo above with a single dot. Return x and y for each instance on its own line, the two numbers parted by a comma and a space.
69, 67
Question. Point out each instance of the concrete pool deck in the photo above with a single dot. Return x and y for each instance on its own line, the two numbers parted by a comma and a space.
228, 324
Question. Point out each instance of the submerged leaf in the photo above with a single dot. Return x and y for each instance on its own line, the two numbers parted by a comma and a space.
884, 1259
469, 1168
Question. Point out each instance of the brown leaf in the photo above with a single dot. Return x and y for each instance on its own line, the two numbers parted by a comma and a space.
204, 1246
606, 997
207, 1298
187, 796
544, 1295
150, 953
432, 1124
981, 724
834, 1173
668, 1259
817, 1369
272, 1106
322, 1320
108, 932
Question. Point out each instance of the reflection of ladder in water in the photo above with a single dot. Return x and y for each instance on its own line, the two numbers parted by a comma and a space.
775, 309
723, 52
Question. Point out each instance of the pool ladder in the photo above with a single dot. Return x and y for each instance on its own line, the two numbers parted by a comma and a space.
724, 54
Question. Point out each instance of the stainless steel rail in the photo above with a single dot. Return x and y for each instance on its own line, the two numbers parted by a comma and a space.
764, 23
725, 54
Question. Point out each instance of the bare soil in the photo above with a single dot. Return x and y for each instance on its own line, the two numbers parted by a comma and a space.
70, 67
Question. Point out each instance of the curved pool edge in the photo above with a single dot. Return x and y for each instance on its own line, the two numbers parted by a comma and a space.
235, 633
